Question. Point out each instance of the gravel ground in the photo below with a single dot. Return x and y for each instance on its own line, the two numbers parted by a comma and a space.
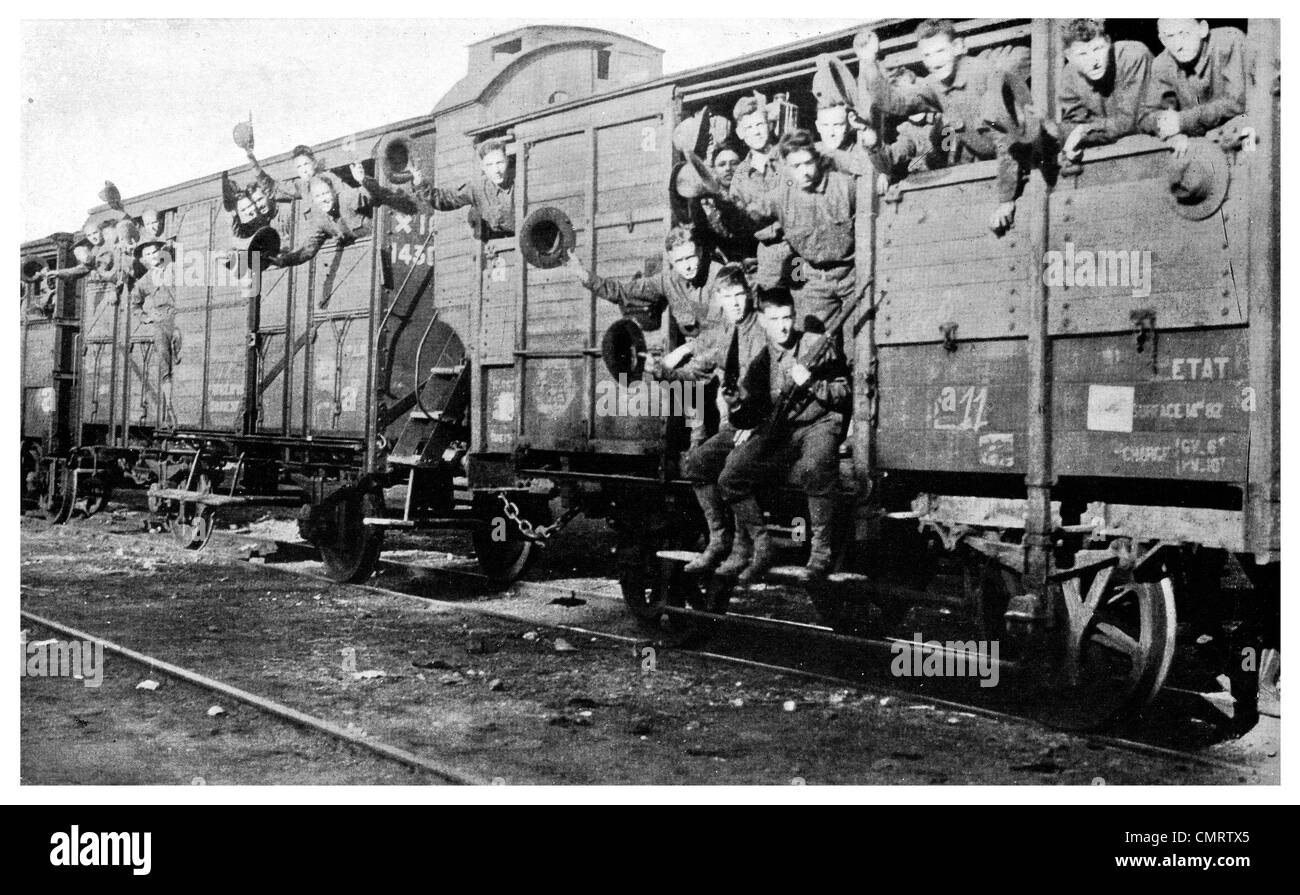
505, 700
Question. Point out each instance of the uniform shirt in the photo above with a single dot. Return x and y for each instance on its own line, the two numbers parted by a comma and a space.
914, 148
1210, 92
714, 344
68, 274
494, 205
155, 295
818, 223
295, 190
349, 220
757, 174
969, 104
852, 159
829, 386
1117, 105
687, 300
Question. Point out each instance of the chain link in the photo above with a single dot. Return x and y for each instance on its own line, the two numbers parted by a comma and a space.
532, 532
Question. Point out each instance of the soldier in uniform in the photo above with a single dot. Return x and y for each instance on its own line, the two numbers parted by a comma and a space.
804, 446
704, 462
341, 214
307, 166
758, 174
683, 286
81, 251
1198, 83
971, 93
490, 196
154, 297
1105, 88
815, 209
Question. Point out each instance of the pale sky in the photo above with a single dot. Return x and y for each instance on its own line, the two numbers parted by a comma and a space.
151, 102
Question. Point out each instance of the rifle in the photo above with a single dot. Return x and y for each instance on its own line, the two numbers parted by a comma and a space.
795, 399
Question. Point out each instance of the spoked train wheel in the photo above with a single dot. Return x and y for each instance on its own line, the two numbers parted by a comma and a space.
349, 547
192, 523
57, 502
1117, 638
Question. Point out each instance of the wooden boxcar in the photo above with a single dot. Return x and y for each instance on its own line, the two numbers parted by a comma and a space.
1079, 453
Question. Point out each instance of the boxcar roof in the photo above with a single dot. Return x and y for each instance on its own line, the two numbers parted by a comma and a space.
478, 81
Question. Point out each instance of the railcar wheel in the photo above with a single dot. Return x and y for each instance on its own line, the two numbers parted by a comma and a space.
503, 553
153, 501
57, 503
652, 586
349, 547
93, 494
1118, 644
193, 523
30, 487
840, 604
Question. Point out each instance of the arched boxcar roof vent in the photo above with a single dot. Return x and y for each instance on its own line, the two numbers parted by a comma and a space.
495, 60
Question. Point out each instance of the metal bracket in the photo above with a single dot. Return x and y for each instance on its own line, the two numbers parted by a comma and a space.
1144, 321
951, 535
949, 331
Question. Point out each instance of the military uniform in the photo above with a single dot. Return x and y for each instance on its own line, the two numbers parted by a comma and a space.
973, 109
154, 297
1114, 107
687, 300
1209, 93
802, 448
494, 205
708, 456
293, 191
818, 226
350, 220
808, 450
757, 175
704, 462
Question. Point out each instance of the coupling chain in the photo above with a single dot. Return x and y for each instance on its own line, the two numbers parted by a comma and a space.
532, 532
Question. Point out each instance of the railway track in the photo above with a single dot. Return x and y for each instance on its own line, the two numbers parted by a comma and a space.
547, 591
436, 769
409, 581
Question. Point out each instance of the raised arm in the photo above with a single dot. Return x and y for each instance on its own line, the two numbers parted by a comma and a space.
445, 199
394, 199
305, 252
635, 294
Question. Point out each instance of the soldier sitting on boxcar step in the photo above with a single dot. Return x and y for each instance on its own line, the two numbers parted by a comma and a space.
803, 447
1105, 90
704, 462
683, 286
1198, 83
342, 213
154, 297
491, 196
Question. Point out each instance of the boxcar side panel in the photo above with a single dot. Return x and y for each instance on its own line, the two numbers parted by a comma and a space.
605, 166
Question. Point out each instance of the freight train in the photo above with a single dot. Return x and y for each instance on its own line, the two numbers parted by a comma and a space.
1071, 457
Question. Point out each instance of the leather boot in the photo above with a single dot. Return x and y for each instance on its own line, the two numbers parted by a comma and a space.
742, 548
821, 513
716, 517
749, 516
